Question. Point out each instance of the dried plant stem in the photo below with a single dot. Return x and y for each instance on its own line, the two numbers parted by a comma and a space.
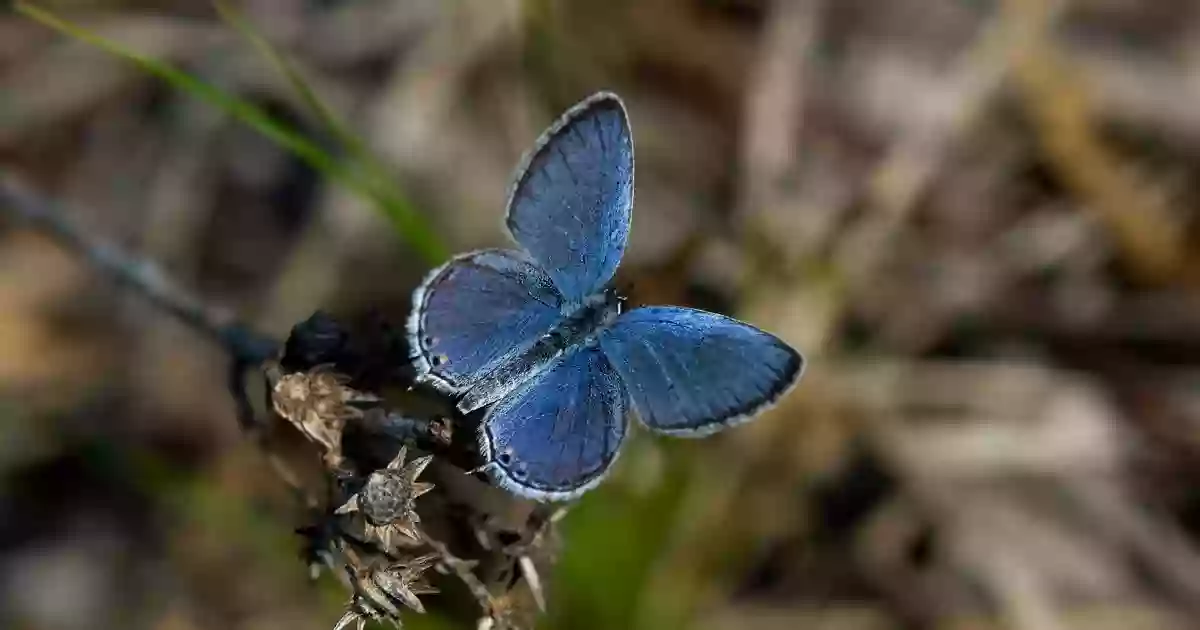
916, 158
52, 219
1125, 202
27, 208
463, 570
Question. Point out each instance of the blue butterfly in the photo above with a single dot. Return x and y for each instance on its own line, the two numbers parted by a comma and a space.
539, 333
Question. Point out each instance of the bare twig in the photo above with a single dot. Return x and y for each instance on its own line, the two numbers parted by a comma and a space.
50, 218
463, 570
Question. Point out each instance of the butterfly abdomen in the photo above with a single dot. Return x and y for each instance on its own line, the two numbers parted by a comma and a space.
577, 326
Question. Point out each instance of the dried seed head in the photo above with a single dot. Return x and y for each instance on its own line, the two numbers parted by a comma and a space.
388, 500
387, 497
381, 593
404, 582
318, 403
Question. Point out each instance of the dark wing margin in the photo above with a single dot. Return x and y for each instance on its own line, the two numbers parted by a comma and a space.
558, 435
693, 373
475, 311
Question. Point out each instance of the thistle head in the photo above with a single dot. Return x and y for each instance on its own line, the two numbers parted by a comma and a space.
388, 499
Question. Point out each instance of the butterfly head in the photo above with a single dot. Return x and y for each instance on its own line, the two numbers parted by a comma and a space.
610, 303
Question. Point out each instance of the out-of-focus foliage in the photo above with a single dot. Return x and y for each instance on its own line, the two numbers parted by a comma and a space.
976, 218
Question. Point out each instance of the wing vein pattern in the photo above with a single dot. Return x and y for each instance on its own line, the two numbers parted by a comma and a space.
692, 372
475, 312
523, 435
571, 206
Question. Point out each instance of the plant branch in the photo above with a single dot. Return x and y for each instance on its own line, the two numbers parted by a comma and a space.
52, 219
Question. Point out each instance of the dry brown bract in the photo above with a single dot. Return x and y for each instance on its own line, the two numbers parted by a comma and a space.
318, 402
380, 592
386, 502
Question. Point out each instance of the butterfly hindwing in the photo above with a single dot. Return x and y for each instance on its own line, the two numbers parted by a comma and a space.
691, 372
557, 436
476, 310
571, 204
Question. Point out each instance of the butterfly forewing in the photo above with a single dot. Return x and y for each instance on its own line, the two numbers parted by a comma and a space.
476, 311
557, 436
571, 204
692, 372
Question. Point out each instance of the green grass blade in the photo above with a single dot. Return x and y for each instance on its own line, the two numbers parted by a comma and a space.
395, 204
395, 207
333, 126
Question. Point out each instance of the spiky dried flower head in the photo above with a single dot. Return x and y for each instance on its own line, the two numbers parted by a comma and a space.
387, 501
383, 592
318, 403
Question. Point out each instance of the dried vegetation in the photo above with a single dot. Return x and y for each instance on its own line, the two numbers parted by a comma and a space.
977, 218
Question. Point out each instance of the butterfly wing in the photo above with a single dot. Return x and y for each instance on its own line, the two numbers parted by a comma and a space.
557, 436
475, 311
692, 373
572, 202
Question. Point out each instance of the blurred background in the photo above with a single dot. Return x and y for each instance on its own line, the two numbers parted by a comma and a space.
976, 218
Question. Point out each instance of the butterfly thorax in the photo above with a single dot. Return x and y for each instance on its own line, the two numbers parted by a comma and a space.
578, 328
582, 321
